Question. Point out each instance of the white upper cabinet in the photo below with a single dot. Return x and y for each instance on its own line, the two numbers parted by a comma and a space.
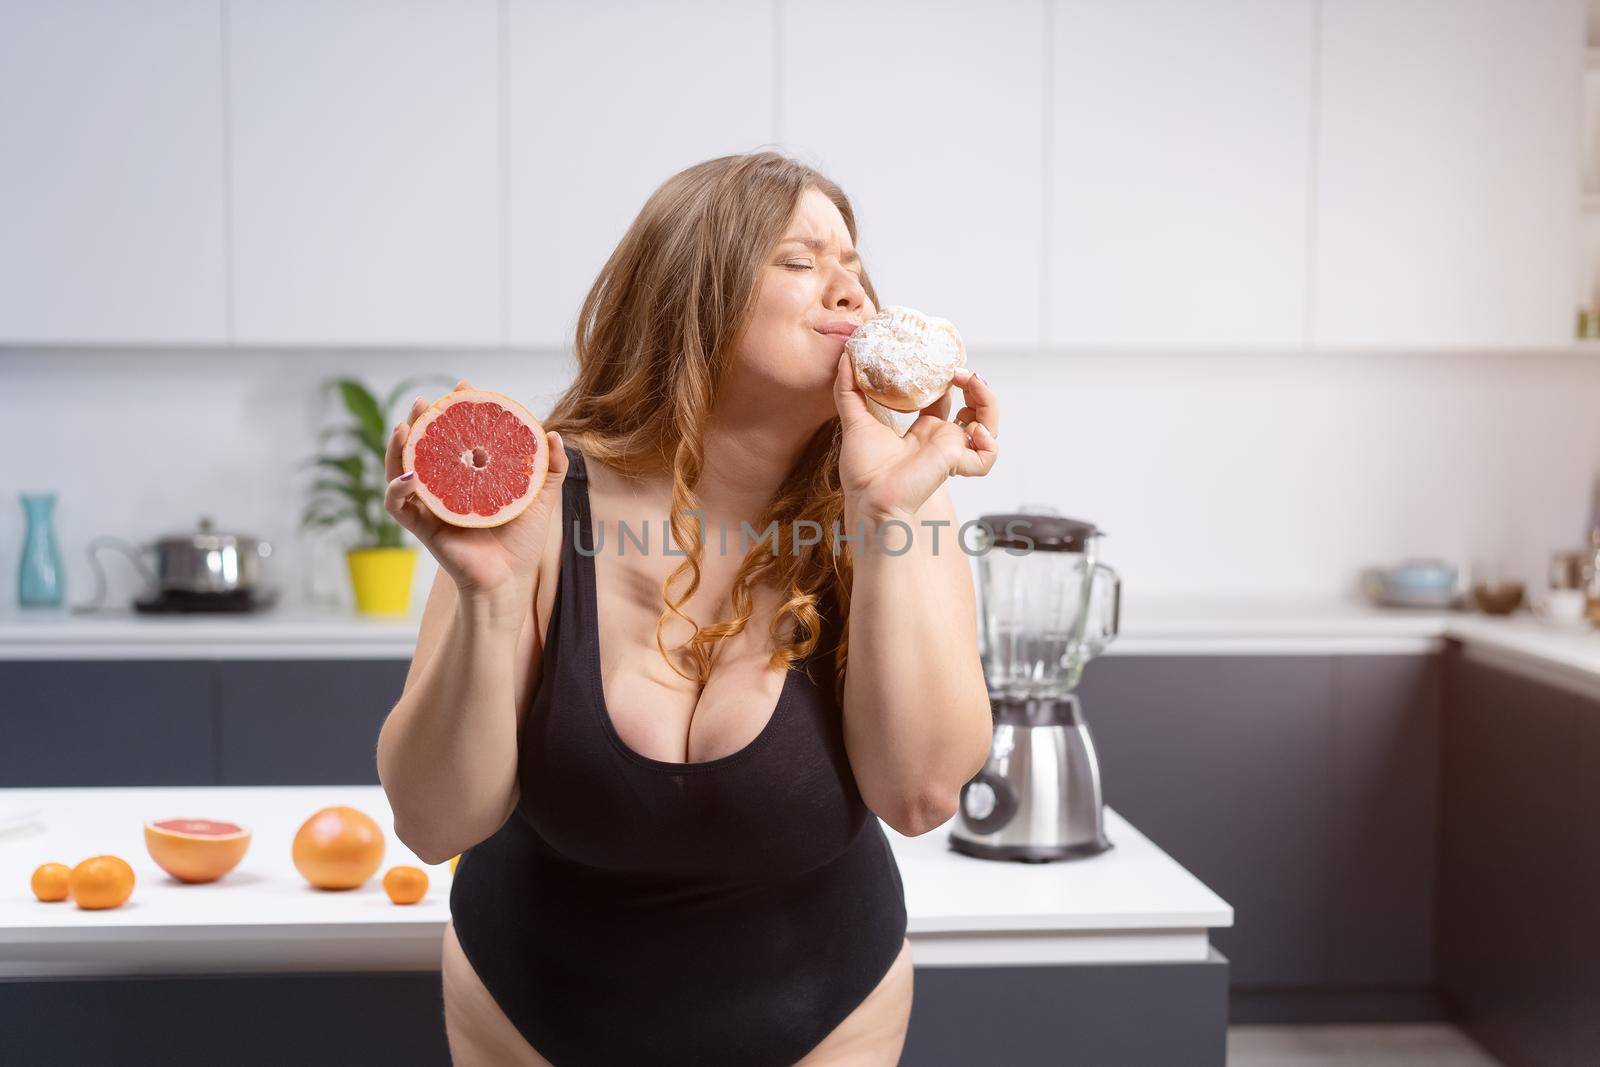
111, 183
366, 172
928, 115
607, 101
1179, 173
1077, 173
1447, 172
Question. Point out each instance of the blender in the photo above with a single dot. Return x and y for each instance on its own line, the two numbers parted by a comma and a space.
1047, 606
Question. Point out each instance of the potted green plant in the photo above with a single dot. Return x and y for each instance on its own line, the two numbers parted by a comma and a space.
349, 492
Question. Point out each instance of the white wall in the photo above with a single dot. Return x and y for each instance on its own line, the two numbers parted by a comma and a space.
1213, 474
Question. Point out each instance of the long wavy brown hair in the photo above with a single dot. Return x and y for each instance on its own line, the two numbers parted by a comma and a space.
656, 337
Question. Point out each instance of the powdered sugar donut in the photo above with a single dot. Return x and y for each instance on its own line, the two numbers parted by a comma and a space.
904, 359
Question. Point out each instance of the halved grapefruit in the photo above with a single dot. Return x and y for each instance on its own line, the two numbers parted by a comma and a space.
196, 850
479, 456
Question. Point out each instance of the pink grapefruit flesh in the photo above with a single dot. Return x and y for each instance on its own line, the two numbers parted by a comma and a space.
199, 827
479, 456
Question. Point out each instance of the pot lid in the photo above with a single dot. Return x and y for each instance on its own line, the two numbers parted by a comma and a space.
1040, 530
206, 537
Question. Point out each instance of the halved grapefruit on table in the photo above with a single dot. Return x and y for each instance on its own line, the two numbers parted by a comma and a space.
480, 458
196, 850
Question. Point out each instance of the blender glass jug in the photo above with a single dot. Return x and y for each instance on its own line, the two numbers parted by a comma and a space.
1048, 606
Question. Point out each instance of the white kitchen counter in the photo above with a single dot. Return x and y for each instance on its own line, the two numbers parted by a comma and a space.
1240, 626
1133, 903
276, 633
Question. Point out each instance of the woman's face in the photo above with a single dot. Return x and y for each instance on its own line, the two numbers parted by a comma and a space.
803, 288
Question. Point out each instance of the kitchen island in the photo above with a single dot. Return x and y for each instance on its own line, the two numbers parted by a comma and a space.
1106, 958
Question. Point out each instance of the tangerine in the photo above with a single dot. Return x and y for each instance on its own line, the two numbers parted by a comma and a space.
50, 881
101, 882
405, 885
338, 848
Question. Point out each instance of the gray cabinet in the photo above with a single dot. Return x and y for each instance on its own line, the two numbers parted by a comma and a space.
1223, 763
1519, 865
307, 723
1303, 789
194, 722
1385, 785
92, 722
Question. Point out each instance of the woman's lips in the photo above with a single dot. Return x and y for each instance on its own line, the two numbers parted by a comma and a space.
839, 329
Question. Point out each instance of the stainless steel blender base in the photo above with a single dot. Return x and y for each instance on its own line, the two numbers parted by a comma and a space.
1037, 799
1029, 853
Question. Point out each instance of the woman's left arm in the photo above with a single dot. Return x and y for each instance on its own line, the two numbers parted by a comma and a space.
917, 719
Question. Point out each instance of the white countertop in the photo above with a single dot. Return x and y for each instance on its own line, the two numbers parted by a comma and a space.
275, 633
1243, 626
1156, 627
1132, 903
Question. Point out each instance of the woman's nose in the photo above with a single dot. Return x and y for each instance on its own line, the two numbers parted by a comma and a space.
848, 292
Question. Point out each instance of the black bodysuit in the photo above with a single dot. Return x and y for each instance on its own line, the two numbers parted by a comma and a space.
639, 911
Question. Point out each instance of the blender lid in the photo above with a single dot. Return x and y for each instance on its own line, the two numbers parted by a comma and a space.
1044, 533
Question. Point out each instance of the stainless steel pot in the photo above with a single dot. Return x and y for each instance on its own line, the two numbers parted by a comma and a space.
204, 561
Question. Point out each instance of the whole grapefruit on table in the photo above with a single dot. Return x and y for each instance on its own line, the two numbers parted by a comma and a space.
196, 850
405, 885
50, 881
338, 848
101, 882
480, 458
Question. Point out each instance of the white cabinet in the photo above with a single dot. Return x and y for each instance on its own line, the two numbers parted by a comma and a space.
1446, 184
366, 172
607, 101
1179, 173
111, 185
1075, 173
928, 115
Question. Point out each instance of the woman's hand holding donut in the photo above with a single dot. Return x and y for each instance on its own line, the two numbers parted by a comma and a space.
885, 475
488, 562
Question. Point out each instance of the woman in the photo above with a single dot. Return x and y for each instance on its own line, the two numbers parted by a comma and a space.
674, 864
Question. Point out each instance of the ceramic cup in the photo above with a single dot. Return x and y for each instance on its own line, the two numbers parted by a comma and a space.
1562, 606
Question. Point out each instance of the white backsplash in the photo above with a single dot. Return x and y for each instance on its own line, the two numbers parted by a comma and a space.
1212, 474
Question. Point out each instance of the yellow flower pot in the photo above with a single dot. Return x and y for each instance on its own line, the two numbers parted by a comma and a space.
382, 579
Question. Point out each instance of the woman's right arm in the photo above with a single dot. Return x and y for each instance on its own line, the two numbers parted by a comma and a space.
447, 752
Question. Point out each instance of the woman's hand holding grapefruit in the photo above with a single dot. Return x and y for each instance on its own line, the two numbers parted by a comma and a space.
483, 561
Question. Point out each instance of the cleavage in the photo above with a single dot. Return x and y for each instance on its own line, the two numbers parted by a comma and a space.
655, 711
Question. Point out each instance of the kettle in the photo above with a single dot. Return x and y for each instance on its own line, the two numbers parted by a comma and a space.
201, 564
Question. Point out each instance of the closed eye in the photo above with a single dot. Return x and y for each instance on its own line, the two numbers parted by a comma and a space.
807, 266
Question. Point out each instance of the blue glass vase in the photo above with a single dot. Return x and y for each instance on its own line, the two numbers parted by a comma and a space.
40, 581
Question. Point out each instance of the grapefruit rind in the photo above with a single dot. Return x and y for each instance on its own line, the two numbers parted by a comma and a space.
338, 847
194, 855
431, 499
